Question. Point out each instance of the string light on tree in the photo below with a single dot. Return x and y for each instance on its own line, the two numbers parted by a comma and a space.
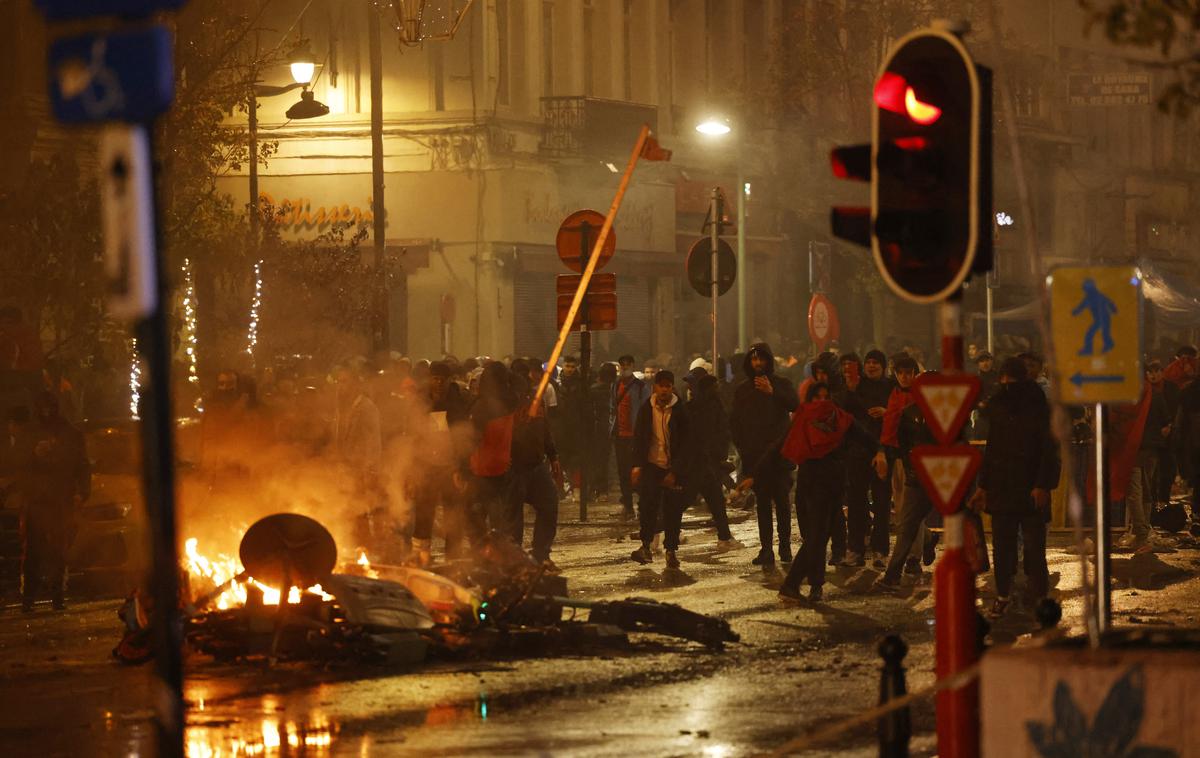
189, 322
255, 304
135, 379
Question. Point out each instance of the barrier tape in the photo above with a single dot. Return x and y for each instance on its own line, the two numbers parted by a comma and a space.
807, 741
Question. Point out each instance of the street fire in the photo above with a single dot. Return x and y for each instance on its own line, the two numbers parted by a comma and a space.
225, 571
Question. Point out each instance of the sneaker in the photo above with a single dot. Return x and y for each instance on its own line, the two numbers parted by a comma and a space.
999, 607
788, 592
836, 560
724, 546
764, 558
785, 555
672, 560
815, 593
642, 555
853, 560
550, 567
879, 561
913, 567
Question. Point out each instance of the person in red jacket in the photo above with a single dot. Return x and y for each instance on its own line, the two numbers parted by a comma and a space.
492, 418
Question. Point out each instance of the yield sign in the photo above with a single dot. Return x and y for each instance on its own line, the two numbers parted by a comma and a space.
946, 401
946, 471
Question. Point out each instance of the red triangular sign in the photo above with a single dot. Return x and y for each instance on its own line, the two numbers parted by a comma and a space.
946, 471
946, 401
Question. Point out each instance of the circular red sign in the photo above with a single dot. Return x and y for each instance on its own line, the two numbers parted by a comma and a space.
823, 325
571, 238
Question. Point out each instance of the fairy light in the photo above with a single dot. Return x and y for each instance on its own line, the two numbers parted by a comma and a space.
255, 303
189, 322
135, 379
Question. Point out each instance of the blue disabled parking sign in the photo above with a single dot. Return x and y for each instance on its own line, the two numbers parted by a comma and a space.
1095, 317
119, 76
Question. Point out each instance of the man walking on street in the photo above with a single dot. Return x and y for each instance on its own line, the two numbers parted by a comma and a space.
629, 395
710, 430
662, 464
858, 476
1020, 469
874, 391
762, 406
1139, 494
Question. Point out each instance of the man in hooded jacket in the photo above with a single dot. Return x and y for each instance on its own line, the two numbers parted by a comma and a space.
1020, 469
762, 407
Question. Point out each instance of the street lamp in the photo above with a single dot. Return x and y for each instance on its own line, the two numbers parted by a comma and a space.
303, 66
719, 126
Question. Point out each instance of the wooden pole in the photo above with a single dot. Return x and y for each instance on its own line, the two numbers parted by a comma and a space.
565, 331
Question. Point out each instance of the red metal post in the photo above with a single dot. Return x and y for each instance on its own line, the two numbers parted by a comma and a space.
954, 594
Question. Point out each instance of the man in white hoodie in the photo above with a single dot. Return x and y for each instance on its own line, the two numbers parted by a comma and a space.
662, 463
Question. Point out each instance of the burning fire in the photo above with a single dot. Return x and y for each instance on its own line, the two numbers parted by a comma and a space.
222, 568
365, 565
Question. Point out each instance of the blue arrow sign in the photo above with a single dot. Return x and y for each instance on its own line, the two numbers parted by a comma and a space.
122, 76
1080, 379
62, 10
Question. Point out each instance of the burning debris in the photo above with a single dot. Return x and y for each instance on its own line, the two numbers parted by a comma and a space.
283, 599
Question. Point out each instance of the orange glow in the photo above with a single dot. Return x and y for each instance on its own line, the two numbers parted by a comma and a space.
923, 113
221, 568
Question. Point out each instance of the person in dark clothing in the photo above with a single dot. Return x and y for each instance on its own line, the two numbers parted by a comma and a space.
601, 429
629, 395
663, 461
762, 405
1139, 496
904, 428
989, 381
710, 429
817, 440
54, 480
1020, 469
440, 480
1165, 467
874, 391
859, 475
535, 475
492, 418
572, 429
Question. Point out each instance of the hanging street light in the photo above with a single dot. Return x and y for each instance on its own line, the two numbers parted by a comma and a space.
714, 127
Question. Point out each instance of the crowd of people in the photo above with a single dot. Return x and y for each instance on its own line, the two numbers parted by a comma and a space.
458, 449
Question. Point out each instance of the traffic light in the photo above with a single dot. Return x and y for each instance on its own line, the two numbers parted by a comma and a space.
930, 169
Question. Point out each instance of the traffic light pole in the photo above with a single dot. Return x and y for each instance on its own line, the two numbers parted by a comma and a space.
954, 592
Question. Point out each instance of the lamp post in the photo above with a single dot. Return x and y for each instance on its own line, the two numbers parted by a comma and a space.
303, 66
717, 127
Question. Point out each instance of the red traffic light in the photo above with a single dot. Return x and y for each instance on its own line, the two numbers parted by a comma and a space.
894, 93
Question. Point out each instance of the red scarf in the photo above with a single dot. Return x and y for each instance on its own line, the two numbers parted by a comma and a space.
818, 427
897, 402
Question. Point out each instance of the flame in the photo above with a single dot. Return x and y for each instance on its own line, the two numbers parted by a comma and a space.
365, 564
222, 568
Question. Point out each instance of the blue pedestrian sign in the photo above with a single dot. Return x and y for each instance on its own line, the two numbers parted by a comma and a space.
1095, 316
121, 76
63, 10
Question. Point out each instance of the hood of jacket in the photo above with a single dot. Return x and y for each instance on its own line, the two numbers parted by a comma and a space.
763, 349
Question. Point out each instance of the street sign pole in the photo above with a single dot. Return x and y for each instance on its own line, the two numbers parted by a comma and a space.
585, 362
1102, 603
715, 237
954, 590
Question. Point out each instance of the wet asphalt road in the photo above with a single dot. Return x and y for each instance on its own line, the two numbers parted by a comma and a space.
796, 667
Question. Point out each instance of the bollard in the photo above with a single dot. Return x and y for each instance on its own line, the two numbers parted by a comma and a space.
896, 727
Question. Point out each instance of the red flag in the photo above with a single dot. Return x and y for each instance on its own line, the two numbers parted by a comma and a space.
817, 429
1126, 426
652, 151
